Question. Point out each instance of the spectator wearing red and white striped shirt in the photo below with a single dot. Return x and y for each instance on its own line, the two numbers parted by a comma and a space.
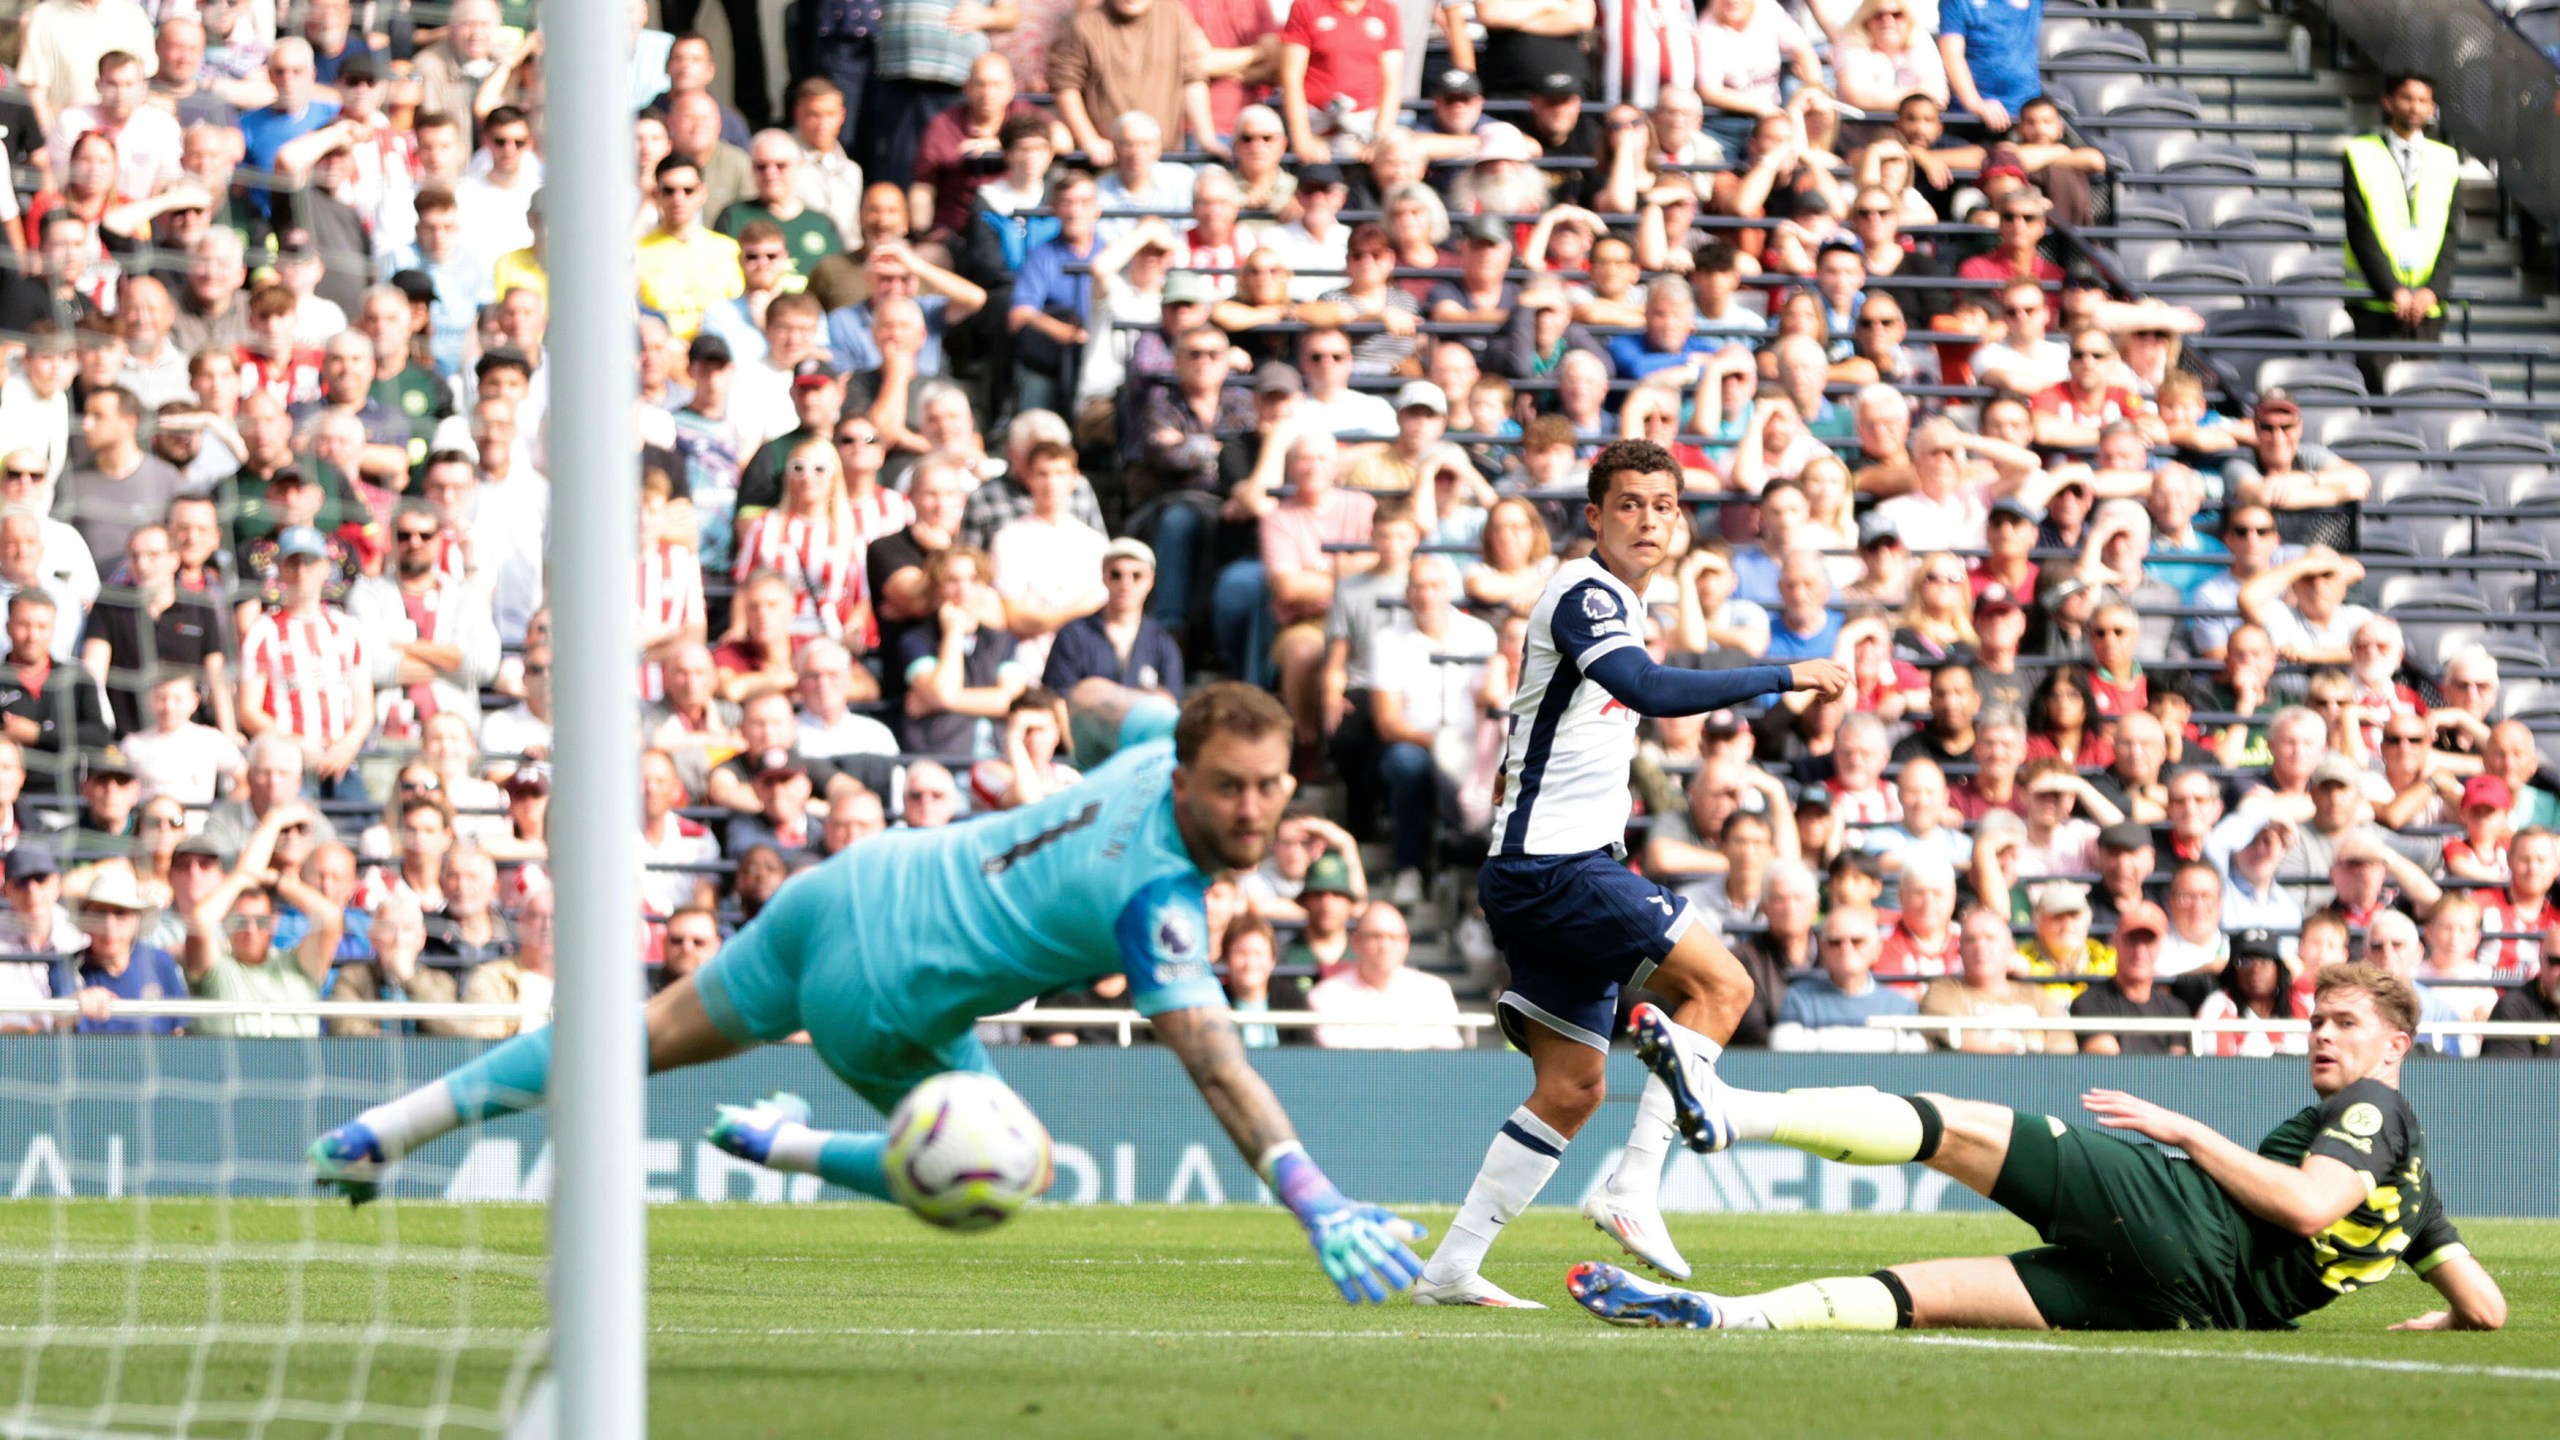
2523, 907
877, 509
306, 670
670, 586
812, 542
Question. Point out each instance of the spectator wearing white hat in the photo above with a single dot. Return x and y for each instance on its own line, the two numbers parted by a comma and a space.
115, 966
1120, 642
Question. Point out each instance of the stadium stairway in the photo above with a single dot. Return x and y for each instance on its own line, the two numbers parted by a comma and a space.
2287, 81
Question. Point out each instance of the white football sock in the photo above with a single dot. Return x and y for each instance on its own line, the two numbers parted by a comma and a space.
795, 1148
1639, 1172
415, 1119
1517, 1166
1697, 1044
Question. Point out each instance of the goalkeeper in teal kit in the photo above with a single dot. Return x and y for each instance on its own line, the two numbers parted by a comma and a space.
888, 955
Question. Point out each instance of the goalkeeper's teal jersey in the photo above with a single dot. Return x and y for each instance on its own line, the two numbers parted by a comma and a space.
922, 932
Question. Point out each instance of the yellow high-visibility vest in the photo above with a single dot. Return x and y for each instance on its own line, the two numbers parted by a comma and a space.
2410, 221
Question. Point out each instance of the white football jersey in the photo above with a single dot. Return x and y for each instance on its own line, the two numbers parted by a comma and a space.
1564, 768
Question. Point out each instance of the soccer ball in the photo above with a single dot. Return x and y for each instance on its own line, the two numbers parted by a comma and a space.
965, 1152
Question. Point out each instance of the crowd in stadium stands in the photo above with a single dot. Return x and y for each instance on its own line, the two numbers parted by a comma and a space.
995, 347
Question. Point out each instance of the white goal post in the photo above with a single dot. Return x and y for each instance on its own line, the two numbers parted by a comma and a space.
599, 1235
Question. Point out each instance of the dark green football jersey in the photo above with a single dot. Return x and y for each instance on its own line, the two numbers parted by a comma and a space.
2368, 1127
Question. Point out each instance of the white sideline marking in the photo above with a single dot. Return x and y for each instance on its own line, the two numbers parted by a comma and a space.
2254, 1357
1014, 1332
1966, 1342
497, 1338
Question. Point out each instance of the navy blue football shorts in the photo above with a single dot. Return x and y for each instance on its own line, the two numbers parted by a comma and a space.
1575, 929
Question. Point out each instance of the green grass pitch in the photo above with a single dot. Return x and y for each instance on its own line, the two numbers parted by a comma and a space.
838, 1320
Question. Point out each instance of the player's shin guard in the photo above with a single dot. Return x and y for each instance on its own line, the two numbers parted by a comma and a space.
1855, 1127
1522, 1158
1639, 1172
505, 1079
1859, 1302
856, 1161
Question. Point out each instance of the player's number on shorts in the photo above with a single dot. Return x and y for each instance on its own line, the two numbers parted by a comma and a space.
1083, 819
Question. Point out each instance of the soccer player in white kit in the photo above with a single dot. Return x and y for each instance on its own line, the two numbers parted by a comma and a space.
1574, 922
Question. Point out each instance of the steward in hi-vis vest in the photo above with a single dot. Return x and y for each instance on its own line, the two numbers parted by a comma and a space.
2401, 191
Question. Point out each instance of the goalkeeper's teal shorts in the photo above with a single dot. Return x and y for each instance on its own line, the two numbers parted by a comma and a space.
763, 987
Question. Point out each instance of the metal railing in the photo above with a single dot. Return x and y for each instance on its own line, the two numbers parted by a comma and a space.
1955, 1026
1126, 1022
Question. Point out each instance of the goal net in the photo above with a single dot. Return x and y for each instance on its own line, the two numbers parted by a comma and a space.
170, 1271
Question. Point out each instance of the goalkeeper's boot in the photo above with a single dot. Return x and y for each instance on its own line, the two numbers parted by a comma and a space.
1637, 1226
1473, 1290
349, 1160
1697, 1096
747, 1131
1624, 1299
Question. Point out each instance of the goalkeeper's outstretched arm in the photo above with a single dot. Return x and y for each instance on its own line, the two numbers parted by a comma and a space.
1362, 1248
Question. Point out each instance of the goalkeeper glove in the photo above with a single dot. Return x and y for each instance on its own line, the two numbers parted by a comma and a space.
1364, 1249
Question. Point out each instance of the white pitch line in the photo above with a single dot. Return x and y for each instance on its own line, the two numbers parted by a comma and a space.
2406, 1367
1012, 1332
2247, 1357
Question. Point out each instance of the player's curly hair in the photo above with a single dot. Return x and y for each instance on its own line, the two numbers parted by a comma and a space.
1228, 707
1629, 457
2392, 998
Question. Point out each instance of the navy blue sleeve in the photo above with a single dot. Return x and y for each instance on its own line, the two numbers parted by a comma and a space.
1630, 675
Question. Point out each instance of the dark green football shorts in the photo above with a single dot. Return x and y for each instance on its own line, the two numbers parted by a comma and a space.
2133, 1239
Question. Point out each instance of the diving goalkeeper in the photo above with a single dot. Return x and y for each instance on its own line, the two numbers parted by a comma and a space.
2332, 1200
888, 955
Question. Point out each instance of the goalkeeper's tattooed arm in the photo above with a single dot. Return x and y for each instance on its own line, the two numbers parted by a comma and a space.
1214, 1055
1362, 1249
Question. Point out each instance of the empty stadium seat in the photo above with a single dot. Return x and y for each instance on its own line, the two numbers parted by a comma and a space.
2521, 540
2530, 489
2303, 378
2416, 537
2510, 592
2429, 592
2495, 435
2196, 265
2137, 208
2085, 40
2292, 263
2528, 699
2129, 96
2427, 485
2356, 435
2438, 425
2450, 378
2227, 315
2258, 210
2273, 264
2187, 155
2510, 647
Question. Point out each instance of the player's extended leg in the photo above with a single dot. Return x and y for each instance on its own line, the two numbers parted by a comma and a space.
1966, 1140
1572, 1079
503, 1080
1709, 991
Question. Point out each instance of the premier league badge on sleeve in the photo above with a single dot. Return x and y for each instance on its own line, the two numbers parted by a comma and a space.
1599, 604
